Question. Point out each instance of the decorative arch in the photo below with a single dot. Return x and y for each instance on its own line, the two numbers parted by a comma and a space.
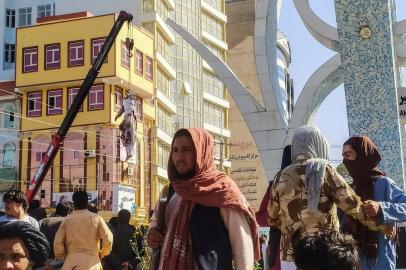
321, 31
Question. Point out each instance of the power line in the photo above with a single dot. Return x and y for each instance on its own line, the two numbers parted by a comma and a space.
46, 105
81, 131
73, 128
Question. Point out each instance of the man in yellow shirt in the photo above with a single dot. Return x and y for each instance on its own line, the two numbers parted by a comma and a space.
78, 238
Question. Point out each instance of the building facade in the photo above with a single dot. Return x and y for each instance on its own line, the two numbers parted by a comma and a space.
49, 72
184, 79
14, 14
18, 14
187, 92
9, 136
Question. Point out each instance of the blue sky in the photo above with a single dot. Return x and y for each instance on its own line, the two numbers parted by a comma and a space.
308, 55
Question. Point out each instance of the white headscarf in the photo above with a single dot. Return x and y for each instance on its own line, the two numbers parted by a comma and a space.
311, 143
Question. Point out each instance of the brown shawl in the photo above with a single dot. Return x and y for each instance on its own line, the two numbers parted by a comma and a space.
207, 187
364, 171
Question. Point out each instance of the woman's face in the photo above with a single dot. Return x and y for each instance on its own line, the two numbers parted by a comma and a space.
13, 255
349, 152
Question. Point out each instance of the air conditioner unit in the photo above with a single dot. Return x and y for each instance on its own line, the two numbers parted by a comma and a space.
130, 171
90, 153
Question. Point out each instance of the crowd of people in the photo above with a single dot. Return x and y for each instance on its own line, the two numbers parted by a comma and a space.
202, 220
70, 239
309, 197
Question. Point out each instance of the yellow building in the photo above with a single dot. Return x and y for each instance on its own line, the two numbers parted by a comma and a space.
53, 58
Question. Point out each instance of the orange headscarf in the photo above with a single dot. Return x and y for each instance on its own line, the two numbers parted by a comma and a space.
208, 187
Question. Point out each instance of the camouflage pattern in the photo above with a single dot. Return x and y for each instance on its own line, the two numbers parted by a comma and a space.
288, 209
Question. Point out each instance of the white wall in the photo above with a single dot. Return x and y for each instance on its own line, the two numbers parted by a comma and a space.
99, 7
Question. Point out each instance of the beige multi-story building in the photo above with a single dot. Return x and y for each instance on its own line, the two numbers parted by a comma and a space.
188, 93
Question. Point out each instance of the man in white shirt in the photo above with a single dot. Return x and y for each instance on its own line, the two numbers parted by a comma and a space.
16, 208
129, 125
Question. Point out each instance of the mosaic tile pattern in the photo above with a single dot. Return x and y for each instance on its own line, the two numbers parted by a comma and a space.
370, 78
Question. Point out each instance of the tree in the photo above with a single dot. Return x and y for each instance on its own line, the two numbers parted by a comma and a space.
342, 170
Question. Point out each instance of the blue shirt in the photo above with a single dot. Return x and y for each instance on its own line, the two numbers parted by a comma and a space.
393, 204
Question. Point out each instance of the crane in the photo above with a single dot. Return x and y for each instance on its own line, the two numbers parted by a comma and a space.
59, 136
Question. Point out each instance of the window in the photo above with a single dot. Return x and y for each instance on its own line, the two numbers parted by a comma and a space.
148, 6
54, 102
34, 103
163, 155
212, 26
149, 68
9, 152
219, 145
162, 10
10, 18
97, 45
52, 56
213, 114
75, 154
9, 53
125, 56
217, 4
164, 83
217, 51
45, 10
76, 53
72, 92
96, 98
9, 116
24, 16
164, 120
30, 59
212, 85
281, 56
164, 48
138, 108
139, 62
118, 99
39, 156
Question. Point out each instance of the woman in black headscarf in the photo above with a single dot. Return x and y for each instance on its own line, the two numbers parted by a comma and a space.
384, 201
